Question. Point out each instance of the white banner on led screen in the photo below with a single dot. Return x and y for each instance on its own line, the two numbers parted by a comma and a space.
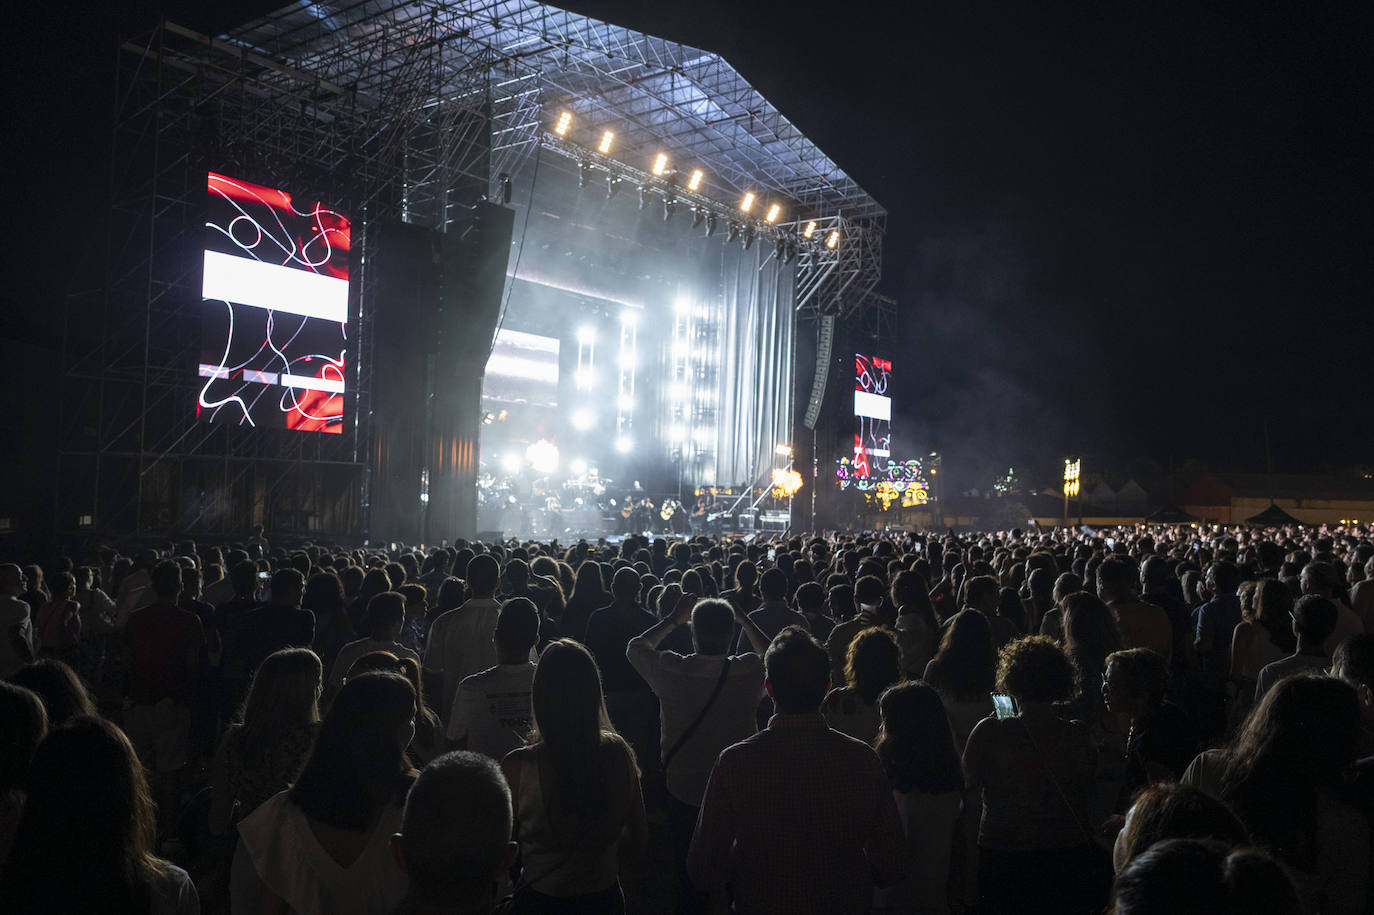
245, 281
522, 369
873, 406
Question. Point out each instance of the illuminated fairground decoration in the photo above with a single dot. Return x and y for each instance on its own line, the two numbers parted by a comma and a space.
885, 481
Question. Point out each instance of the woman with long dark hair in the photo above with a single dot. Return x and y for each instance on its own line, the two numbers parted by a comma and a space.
576, 792
324, 597
963, 671
588, 596
1281, 775
85, 841
323, 845
916, 746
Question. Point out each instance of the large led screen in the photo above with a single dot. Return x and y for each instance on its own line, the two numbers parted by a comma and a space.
872, 412
275, 298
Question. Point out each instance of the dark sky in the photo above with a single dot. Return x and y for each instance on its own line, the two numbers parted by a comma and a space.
1119, 229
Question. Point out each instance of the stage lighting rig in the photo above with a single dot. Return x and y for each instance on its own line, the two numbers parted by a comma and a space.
612, 186
712, 223
832, 241
698, 217
643, 196
789, 252
733, 232
779, 248
583, 169
747, 203
750, 233
774, 212
694, 182
669, 207
604, 147
564, 122
810, 230
660, 165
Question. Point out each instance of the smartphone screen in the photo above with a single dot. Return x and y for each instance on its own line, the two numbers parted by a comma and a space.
1003, 706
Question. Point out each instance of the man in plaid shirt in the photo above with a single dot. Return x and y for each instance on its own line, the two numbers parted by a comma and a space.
798, 818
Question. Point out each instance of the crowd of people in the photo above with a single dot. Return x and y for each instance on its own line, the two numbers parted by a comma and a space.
1163, 719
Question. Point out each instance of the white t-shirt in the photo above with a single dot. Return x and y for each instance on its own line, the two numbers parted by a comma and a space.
493, 709
354, 650
683, 683
460, 644
286, 857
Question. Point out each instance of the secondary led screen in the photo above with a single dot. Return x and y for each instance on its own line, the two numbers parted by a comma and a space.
523, 369
872, 412
275, 294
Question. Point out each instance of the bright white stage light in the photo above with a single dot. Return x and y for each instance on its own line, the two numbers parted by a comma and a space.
586, 334
832, 241
660, 164
583, 419
679, 349
810, 229
584, 379
510, 462
623, 444
626, 403
774, 212
629, 318
747, 203
702, 435
627, 360
604, 146
678, 433
578, 467
543, 456
682, 306
564, 122
694, 183
677, 392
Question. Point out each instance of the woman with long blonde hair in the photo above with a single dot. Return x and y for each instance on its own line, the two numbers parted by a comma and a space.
576, 791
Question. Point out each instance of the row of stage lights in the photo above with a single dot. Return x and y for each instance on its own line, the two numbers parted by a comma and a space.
661, 169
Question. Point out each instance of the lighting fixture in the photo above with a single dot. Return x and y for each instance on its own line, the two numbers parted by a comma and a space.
643, 196
809, 230
669, 207
733, 233
604, 147
774, 212
712, 223
694, 182
564, 122
698, 217
660, 164
583, 419
582, 169
747, 203
832, 241
612, 186
749, 234
623, 444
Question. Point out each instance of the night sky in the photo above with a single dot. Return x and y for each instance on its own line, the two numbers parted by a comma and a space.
1116, 229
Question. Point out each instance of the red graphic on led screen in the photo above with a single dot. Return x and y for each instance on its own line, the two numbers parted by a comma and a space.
275, 289
872, 412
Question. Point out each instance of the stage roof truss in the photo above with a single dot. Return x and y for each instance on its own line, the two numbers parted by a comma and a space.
528, 61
